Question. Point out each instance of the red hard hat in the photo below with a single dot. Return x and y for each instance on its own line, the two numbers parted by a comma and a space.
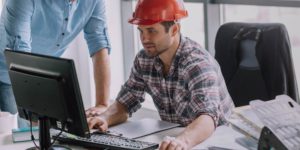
149, 12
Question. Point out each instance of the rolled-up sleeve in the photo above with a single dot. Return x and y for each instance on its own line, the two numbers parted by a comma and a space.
17, 23
95, 31
132, 93
205, 96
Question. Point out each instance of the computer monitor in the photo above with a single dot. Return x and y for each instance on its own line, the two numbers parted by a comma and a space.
47, 87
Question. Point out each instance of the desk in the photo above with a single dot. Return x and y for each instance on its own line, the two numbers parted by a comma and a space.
224, 136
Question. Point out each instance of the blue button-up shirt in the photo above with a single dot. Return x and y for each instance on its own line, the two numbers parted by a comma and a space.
48, 26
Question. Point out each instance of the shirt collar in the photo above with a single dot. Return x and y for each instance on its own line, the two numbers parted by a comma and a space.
158, 63
72, 1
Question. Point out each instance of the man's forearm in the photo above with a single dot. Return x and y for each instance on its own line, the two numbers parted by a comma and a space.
101, 65
115, 114
198, 131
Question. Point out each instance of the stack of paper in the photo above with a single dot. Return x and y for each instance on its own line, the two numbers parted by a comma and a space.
247, 121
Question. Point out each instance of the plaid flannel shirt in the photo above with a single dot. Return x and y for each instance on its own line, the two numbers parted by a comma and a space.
193, 86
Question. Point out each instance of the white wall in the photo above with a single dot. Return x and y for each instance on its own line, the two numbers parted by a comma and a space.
1, 5
114, 25
79, 52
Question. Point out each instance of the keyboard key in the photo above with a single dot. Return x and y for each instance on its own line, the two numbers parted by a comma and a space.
98, 140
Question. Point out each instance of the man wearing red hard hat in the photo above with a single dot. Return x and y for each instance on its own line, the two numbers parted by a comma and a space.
183, 79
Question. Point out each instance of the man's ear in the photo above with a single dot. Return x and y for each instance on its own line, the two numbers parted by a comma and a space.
175, 29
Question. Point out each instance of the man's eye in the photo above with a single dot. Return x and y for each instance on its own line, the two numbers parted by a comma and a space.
139, 30
152, 31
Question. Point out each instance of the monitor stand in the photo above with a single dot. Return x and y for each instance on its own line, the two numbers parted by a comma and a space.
44, 137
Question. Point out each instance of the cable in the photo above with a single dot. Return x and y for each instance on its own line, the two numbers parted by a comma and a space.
56, 137
32, 136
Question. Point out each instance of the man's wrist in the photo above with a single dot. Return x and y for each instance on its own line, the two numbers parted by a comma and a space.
101, 105
184, 140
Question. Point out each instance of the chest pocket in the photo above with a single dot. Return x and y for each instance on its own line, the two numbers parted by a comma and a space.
155, 92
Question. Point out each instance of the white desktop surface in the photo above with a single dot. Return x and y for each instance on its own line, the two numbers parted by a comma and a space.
224, 136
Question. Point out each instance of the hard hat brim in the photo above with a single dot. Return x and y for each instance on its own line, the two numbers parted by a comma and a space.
142, 22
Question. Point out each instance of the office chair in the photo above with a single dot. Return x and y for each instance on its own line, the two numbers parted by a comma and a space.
256, 61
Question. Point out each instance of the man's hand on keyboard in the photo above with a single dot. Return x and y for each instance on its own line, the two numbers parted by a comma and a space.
95, 111
97, 123
172, 143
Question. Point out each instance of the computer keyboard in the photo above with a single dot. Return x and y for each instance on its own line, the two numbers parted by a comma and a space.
107, 141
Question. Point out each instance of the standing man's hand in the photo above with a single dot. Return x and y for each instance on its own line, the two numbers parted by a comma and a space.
95, 111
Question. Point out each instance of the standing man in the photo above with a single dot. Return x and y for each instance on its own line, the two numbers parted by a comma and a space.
183, 79
47, 27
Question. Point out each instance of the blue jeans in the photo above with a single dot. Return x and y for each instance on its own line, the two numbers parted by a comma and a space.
8, 103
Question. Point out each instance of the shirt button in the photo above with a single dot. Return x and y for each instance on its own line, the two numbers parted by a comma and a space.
57, 45
18, 36
63, 34
66, 19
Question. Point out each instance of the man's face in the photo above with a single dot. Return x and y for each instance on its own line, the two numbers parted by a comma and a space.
155, 39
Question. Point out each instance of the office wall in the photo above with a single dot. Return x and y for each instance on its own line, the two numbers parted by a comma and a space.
1, 5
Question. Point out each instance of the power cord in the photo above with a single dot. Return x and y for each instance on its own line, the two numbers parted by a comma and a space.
32, 136
56, 137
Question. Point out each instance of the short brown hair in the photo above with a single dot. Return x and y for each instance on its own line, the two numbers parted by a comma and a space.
168, 25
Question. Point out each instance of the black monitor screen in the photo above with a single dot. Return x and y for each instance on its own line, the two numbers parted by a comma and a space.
47, 87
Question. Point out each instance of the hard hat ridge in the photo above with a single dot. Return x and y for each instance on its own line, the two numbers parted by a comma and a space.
149, 12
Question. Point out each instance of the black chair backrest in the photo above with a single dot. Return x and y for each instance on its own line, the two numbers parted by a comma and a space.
256, 61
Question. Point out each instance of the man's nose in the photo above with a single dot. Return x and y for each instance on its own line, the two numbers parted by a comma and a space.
145, 38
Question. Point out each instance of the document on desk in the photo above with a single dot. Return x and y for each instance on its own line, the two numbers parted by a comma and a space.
142, 127
249, 116
247, 121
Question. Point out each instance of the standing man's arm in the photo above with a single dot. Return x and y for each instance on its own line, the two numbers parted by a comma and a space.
96, 35
101, 66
